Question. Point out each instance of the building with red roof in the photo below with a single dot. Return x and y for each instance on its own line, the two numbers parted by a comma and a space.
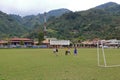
21, 41
2, 42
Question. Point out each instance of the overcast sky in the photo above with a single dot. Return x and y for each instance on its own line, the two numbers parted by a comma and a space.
29, 7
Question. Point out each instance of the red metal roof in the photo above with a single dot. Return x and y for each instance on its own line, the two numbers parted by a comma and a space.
20, 39
2, 42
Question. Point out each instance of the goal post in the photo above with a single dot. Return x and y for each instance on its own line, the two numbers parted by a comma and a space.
102, 52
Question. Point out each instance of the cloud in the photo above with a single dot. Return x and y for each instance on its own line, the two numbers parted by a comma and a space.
27, 7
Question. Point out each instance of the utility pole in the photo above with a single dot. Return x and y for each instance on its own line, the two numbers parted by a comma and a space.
45, 24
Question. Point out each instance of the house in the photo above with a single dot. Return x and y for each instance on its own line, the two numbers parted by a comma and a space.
21, 41
113, 42
2, 42
45, 43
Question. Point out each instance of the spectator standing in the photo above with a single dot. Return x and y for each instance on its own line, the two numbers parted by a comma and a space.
75, 51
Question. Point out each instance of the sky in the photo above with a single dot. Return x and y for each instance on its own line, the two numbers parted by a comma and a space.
34, 7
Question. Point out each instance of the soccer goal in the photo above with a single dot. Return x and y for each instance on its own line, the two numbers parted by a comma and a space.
106, 56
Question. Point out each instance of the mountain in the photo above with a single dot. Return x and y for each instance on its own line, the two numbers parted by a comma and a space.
100, 22
16, 18
10, 27
14, 25
110, 7
31, 21
57, 12
107, 5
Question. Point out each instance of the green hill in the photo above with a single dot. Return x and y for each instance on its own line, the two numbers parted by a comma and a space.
102, 22
93, 23
32, 20
16, 26
9, 27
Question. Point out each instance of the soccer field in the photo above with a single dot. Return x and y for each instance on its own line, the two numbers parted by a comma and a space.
42, 64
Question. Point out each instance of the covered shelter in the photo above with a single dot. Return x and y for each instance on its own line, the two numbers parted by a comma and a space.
21, 41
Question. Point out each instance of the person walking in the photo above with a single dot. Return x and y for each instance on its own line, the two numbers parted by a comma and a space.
68, 51
75, 51
56, 51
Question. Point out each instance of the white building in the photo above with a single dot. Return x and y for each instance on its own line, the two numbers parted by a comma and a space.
60, 42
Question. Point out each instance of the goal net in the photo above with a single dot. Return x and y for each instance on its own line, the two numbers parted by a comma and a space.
108, 56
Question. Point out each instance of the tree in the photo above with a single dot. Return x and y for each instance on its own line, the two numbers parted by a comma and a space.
40, 37
21, 42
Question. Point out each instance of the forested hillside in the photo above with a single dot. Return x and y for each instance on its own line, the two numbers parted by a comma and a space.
17, 26
97, 22
32, 21
10, 27
102, 22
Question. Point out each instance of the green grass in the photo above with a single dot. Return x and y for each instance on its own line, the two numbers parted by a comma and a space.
42, 64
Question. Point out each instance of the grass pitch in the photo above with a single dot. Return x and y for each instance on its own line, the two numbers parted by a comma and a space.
42, 64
